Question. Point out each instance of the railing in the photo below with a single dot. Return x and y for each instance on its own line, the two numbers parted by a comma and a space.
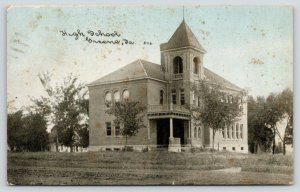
167, 108
177, 76
158, 108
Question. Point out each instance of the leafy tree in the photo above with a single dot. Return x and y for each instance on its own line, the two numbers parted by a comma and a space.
15, 131
130, 115
219, 109
36, 132
264, 114
68, 105
286, 102
27, 132
258, 133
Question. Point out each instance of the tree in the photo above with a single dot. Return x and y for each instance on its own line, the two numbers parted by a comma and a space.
36, 132
68, 105
130, 115
15, 131
219, 109
27, 132
264, 114
286, 102
258, 133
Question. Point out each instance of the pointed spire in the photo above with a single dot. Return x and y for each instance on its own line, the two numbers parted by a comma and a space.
183, 12
183, 37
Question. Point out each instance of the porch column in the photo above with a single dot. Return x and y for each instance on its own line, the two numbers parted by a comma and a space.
189, 128
171, 127
148, 127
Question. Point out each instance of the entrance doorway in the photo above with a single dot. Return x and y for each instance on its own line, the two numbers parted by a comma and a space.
163, 131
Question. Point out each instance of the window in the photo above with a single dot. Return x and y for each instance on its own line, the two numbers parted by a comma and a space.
233, 148
241, 131
161, 97
232, 132
125, 94
242, 148
108, 128
196, 65
200, 104
107, 99
193, 97
223, 133
117, 129
224, 148
174, 96
199, 132
116, 96
182, 99
237, 130
195, 132
177, 65
228, 132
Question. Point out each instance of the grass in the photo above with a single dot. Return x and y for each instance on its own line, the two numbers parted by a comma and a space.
149, 168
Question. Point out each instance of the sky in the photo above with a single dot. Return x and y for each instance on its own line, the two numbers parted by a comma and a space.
251, 46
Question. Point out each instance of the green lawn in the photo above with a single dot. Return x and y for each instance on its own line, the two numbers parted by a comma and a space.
147, 168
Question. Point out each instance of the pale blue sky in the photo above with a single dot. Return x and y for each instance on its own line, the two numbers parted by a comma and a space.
236, 39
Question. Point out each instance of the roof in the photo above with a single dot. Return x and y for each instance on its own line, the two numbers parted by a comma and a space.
213, 77
140, 69
183, 37
135, 70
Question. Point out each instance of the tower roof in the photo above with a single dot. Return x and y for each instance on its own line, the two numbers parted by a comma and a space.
183, 37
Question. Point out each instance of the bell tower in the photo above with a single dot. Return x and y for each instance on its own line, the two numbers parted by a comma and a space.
182, 61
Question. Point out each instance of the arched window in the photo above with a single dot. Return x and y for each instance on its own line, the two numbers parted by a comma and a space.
233, 132
116, 96
125, 94
223, 132
237, 130
177, 65
199, 132
174, 96
107, 99
241, 131
228, 132
195, 132
161, 97
196, 65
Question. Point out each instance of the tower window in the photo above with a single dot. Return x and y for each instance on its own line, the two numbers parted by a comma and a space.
161, 97
177, 65
196, 65
193, 97
182, 99
174, 96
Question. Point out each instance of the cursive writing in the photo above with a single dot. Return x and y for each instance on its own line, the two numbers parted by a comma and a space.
100, 37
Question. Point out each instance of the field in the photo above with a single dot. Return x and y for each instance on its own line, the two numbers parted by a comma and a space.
147, 168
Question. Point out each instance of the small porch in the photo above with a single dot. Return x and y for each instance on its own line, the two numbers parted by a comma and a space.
170, 131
